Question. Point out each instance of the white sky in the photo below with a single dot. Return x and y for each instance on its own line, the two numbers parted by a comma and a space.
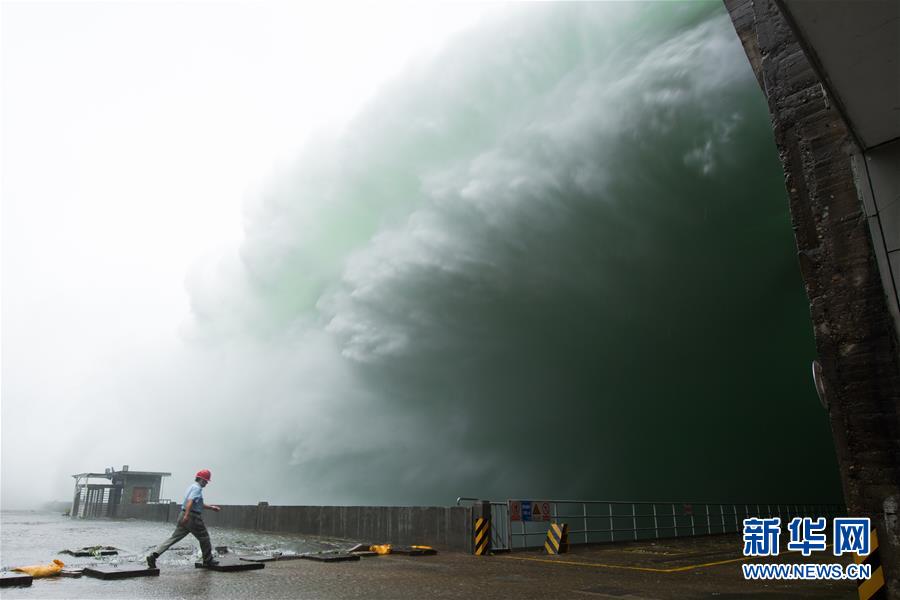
131, 133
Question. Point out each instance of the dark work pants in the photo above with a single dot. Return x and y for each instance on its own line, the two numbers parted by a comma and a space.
195, 526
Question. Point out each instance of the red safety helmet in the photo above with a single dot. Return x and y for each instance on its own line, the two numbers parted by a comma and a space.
205, 475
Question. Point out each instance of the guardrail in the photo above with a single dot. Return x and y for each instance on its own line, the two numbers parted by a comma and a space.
604, 521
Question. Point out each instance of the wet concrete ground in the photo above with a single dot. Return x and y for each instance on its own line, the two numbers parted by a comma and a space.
669, 569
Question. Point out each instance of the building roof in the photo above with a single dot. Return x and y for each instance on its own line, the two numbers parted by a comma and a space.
856, 46
108, 475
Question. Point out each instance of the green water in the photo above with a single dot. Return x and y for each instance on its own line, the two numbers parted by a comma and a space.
556, 261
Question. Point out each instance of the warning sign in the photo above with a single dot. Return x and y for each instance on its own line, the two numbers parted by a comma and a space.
546, 510
540, 511
529, 510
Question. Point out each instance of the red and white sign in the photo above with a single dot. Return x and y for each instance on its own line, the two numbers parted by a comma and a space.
540, 511
515, 510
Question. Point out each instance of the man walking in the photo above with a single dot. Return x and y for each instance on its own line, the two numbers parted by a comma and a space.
190, 521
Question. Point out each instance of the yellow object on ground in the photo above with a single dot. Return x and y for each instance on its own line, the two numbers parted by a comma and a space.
422, 547
43, 570
381, 548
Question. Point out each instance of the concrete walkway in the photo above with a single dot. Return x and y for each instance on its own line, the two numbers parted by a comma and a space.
676, 569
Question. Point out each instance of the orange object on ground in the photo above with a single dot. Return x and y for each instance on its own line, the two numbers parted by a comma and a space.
381, 548
43, 570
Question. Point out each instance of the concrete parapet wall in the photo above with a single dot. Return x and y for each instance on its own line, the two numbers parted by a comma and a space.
441, 527
243, 516
445, 528
146, 512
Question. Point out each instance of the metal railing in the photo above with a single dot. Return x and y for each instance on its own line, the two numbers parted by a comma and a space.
604, 521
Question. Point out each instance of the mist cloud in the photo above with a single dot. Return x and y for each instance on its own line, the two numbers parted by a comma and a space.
555, 261
559, 220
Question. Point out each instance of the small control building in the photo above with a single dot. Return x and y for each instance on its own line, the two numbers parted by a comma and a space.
99, 495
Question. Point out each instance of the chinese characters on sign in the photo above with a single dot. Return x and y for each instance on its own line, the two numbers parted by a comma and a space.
761, 536
852, 535
806, 535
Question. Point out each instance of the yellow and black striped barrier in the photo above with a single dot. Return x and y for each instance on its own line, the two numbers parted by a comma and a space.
872, 588
482, 537
557, 538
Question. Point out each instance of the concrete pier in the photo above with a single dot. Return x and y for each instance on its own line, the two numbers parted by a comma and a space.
666, 569
828, 71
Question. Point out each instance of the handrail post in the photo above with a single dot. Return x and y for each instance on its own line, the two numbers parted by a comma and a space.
524, 535
584, 512
655, 522
612, 532
509, 536
633, 522
708, 524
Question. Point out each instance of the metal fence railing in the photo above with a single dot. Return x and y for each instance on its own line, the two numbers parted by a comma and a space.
599, 521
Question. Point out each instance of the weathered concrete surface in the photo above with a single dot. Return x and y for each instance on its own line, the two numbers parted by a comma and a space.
855, 334
522, 575
444, 528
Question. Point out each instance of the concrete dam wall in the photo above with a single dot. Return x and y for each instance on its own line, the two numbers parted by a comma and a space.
444, 528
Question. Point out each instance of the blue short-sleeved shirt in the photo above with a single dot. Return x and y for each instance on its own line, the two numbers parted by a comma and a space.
195, 493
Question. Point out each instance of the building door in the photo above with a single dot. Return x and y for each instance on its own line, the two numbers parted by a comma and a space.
140, 495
